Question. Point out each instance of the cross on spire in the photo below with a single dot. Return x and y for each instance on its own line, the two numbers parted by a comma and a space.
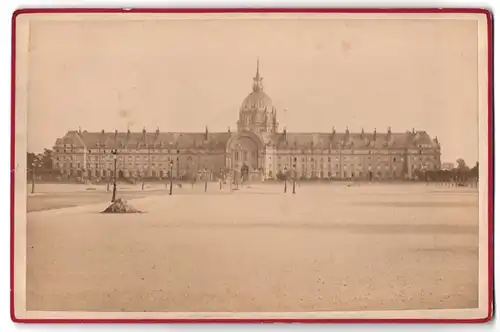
257, 80
258, 74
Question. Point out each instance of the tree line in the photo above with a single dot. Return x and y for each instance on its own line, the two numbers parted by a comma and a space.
459, 174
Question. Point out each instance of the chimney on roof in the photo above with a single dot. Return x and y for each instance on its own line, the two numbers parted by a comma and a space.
375, 134
206, 133
116, 132
157, 130
362, 133
228, 129
413, 131
389, 134
102, 131
79, 130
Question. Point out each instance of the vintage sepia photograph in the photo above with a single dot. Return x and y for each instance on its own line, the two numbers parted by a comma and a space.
252, 165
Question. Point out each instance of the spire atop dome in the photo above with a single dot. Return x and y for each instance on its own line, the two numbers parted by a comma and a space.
257, 80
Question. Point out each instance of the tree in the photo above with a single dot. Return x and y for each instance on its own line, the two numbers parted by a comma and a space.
30, 159
419, 174
47, 162
475, 170
43, 160
461, 165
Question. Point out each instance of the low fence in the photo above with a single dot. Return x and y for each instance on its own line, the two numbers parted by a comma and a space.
456, 184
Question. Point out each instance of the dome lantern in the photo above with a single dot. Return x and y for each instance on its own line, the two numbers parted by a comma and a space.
257, 80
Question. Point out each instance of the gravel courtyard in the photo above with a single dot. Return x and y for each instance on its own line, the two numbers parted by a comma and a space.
329, 247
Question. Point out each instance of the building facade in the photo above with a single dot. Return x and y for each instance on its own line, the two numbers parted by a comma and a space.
256, 150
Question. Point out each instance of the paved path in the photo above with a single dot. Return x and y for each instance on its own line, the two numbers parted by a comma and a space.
325, 248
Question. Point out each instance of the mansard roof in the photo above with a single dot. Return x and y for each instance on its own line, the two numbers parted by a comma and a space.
218, 141
362, 140
145, 139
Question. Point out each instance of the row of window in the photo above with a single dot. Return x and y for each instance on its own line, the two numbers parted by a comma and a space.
168, 159
174, 156
336, 166
140, 149
121, 165
108, 158
79, 165
345, 158
349, 174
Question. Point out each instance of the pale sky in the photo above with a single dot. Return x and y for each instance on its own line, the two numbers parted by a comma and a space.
183, 75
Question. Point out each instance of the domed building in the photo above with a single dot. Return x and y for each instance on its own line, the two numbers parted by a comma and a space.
256, 151
257, 113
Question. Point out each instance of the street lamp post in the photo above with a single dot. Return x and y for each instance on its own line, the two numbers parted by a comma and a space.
107, 178
286, 169
114, 152
177, 164
33, 174
171, 164
36, 163
293, 179
191, 175
89, 160
205, 177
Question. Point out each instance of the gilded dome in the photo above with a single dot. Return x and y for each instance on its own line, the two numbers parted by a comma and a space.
257, 99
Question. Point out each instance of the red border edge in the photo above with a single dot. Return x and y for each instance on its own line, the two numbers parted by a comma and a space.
489, 18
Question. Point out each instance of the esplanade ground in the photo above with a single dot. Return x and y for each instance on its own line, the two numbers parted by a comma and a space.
332, 246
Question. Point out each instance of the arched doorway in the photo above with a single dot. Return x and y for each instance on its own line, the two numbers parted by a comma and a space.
244, 158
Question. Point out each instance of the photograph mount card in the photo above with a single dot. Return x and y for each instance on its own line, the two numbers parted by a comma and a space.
245, 165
